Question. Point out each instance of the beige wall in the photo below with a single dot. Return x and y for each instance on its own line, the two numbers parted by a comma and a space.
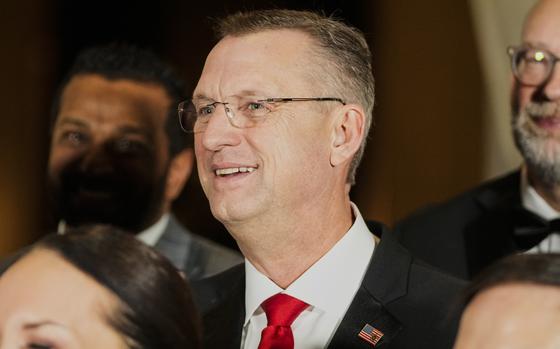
428, 141
497, 24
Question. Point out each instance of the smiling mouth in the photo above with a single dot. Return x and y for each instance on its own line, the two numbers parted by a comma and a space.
222, 172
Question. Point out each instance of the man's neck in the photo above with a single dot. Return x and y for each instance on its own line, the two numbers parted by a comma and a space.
549, 192
283, 248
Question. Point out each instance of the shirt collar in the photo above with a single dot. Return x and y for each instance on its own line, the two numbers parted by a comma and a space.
342, 279
532, 201
149, 236
152, 234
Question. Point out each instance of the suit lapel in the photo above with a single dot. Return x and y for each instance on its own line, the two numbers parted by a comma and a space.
175, 243
223, 325
489, 237
384, 282
365, 310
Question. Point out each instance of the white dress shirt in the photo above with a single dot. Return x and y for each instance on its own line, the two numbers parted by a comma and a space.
328, 286
532, 201
149, 236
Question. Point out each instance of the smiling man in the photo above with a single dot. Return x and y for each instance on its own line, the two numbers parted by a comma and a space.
117, 156
517, 212
280, 117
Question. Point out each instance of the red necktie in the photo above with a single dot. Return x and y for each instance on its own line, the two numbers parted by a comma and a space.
281, 310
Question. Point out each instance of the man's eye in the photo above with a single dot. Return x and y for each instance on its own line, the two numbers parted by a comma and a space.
536, 60
128, 146
73, 137
535, 57
206, 110
255, 109
256, 106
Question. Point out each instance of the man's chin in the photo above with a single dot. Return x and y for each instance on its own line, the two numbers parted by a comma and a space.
542, 154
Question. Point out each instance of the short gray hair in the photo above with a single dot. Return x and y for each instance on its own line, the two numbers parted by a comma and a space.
346, 55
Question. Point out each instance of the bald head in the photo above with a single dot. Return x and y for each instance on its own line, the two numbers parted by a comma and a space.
541, 24
512, 316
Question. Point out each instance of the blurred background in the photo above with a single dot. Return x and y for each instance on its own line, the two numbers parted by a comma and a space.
442, 90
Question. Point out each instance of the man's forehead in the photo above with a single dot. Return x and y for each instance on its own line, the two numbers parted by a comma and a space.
521, 295
259, 61
541, 26
92, 83
92, 98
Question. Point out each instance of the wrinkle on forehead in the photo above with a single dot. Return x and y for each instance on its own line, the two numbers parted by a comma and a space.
274, 62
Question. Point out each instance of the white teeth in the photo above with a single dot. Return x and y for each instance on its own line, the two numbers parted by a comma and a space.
542, 110
231, 170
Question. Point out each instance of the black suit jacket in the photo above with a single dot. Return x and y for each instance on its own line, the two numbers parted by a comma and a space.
469, 232
414, 305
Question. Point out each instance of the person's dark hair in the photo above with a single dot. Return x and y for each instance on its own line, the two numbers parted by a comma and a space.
156, 308
540, 269
127, 62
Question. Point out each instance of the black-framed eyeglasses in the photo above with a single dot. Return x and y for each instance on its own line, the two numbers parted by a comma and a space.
531, 66
246, 112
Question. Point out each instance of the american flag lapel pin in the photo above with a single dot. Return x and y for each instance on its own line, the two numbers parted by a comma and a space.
370, 334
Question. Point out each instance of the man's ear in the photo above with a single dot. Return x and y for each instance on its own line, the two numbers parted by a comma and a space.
348, 132
180, 169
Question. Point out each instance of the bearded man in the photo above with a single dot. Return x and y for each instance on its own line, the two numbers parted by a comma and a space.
518, 212
118, 157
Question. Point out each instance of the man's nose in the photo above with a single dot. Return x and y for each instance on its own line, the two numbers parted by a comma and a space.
219, 131
551, 89
97, 159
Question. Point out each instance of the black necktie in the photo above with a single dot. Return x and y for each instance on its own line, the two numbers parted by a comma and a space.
530, 229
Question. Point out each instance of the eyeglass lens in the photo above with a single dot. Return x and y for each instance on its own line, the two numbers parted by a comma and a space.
532, 66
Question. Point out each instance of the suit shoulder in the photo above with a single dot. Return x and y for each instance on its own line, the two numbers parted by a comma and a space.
432, 307
198, 256
461, 208
429, 278
431, 291
227, 255
212, 291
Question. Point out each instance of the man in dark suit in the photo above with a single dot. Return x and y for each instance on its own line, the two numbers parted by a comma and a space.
280, 117
117, 156
517, 212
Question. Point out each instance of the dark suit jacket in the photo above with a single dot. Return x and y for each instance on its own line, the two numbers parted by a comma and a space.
196, 256
467, 233
411, 303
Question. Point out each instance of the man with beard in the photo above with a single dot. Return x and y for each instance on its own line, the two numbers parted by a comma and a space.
518, 212
118, 157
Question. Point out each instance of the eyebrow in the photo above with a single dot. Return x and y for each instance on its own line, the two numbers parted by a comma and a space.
69, 120
242, 93
122, 129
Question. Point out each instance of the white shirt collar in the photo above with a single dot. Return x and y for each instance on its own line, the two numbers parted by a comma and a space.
152, 234
340, 271
149, 236
532, 201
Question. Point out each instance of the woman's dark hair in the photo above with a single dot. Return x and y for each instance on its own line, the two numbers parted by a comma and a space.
539, 269
157, 310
